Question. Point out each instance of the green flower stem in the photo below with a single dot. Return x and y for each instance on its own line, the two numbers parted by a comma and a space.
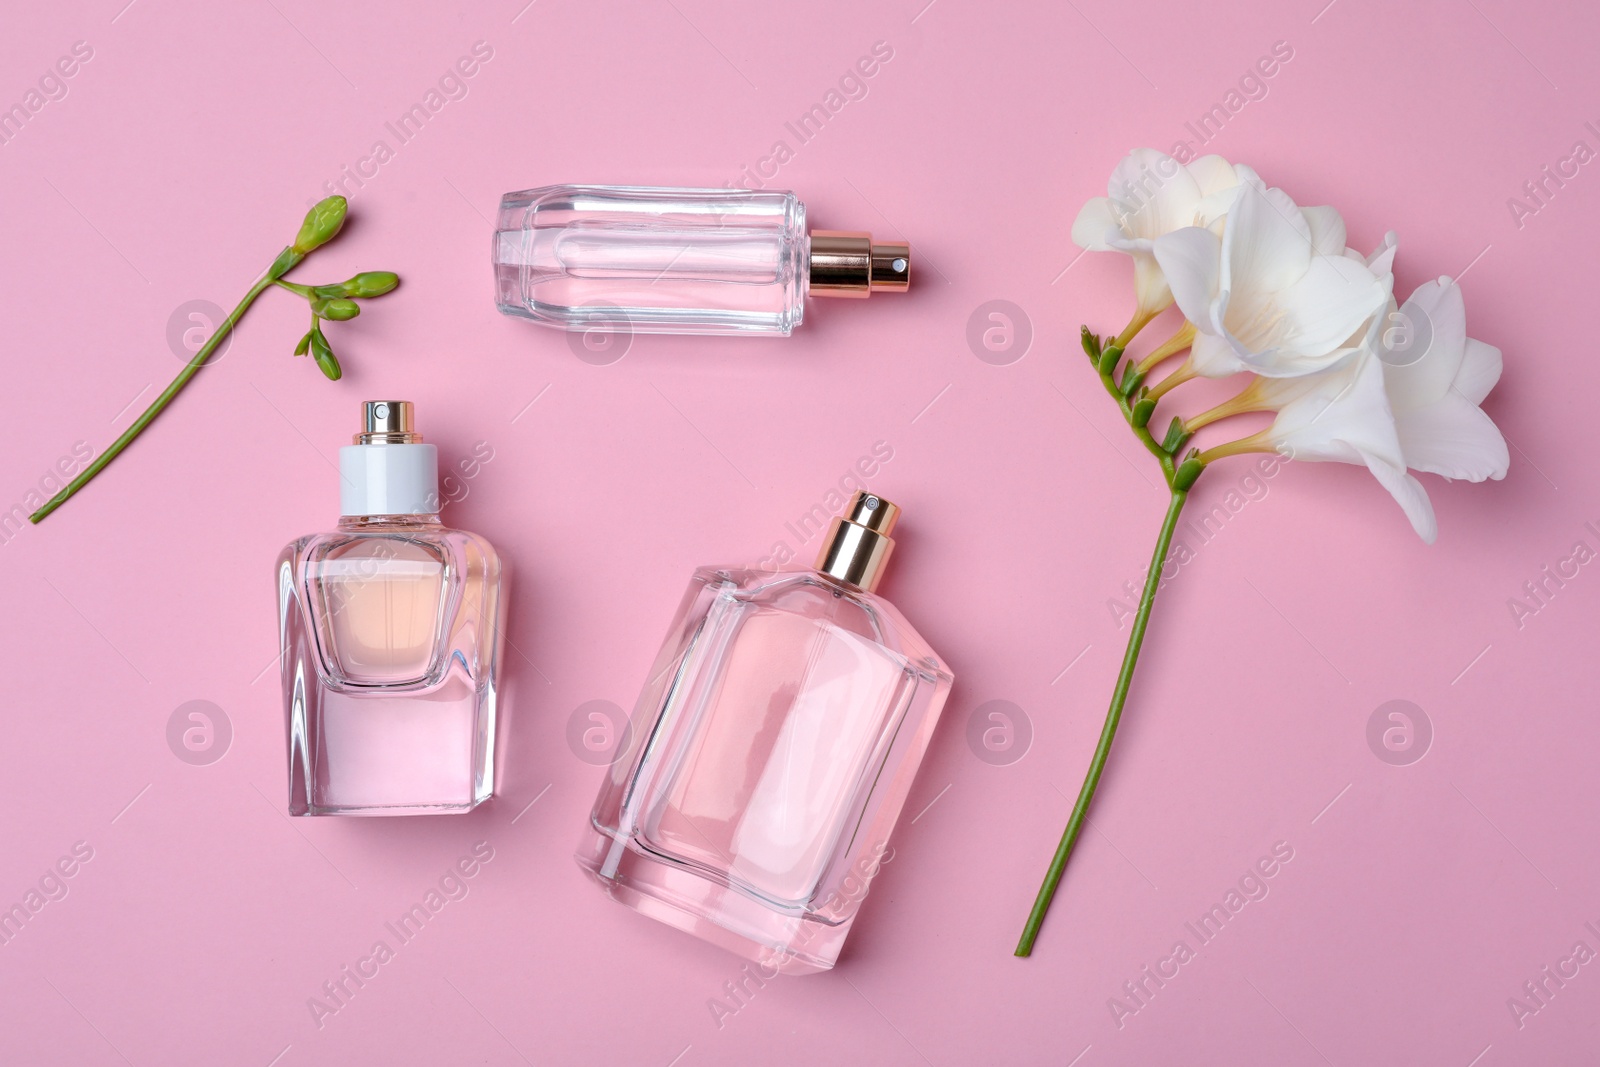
1119, 697
286, 260
294, 287
1126, 403
1180, 475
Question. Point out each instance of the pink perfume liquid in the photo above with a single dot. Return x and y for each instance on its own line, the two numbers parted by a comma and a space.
766, 780
776, 746
400, 753
390, 634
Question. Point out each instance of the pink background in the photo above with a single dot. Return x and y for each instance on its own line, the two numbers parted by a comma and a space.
1419, 898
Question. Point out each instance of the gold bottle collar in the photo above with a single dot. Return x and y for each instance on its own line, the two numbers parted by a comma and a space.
850, 264
858, 544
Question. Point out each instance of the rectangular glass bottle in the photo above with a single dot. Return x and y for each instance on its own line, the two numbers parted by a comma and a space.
389, 628
773, 749
641, 259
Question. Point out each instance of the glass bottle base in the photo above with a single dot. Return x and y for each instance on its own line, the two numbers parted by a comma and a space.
682, 898
409, 755
300, 808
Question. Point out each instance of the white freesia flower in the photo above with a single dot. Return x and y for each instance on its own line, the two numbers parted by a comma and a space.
1343, 415
1408, 398
1436, 377
1151, 194
1275, 293
1272, 290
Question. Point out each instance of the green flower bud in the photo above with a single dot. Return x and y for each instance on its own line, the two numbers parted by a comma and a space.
321, 225
1175, 436
1091, 344
338, 309
370, 283
324, 356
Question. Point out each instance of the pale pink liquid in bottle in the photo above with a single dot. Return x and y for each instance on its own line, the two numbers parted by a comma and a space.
390, 632
775, 747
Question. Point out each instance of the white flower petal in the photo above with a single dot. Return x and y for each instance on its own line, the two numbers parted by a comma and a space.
1213, 174
1150, 287
1212, 356
1321, 311
1253, 321
1352, 425
1094, 225
1248, 176
1327, 230
1480, 370
1191, 259
1334, 415
1453, 438
1370, 334
1409, 493
1381, 261
1215, 204
1154, 192
1267, 243
1423, 344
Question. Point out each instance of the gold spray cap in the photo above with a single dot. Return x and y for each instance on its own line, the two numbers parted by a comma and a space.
387, 422
858, 542
851, 264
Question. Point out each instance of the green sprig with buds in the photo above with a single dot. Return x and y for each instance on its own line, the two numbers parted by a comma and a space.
335, 303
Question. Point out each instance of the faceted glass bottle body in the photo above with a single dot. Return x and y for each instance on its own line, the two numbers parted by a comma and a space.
692, 261
389, 629
774, 747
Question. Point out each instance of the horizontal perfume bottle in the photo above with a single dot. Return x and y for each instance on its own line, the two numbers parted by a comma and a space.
689, 261
390, 638
773, 748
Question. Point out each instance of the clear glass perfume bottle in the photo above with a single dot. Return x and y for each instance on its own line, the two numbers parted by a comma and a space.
696, 261
774, 746
390, 639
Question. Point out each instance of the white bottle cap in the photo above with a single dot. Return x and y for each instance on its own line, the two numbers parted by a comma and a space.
388, 471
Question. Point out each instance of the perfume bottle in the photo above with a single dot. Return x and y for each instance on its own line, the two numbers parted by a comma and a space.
390, 641
693, 261
773, 748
